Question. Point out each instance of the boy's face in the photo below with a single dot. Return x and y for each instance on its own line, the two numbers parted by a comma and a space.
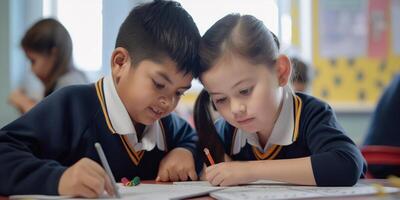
150, 90
248, 96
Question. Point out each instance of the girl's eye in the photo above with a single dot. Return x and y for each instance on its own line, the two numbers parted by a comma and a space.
220, 100
158, 85
246, 91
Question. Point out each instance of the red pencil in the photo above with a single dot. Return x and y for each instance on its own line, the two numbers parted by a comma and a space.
210, 159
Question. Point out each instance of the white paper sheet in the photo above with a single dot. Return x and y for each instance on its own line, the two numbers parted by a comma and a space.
294, 192
144, 192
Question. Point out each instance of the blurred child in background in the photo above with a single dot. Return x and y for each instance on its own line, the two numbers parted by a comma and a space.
48, 46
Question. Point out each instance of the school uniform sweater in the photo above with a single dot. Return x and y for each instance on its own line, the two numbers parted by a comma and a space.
305, 127
38, 147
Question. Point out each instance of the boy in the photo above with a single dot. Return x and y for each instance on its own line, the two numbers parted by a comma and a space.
50, 150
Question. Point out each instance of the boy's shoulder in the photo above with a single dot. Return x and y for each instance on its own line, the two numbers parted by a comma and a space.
174, 121
74, 97
75, 92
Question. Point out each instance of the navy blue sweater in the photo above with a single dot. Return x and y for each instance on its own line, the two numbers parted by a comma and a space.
335, 159
38, 147
384, 128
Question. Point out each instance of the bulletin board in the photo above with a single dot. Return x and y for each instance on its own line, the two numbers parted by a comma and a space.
352, 67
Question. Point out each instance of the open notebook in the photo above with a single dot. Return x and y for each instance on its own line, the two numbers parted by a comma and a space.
266, 189
281, 191
255, 190
145, 191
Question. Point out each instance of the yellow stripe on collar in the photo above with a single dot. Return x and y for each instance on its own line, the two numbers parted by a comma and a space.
136, 156
297, 113
100, 95
270, 154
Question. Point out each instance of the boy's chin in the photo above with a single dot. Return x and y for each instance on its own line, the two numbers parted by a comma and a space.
147, 120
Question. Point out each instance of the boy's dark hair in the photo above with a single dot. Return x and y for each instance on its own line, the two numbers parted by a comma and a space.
158, 30
244, 35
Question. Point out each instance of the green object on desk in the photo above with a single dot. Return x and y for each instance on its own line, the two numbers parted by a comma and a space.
135, 181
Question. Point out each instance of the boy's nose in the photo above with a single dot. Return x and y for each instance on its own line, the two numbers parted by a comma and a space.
166, 102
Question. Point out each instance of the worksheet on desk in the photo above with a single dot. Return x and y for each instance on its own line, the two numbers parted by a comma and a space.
294, 192
165, 191
144, 192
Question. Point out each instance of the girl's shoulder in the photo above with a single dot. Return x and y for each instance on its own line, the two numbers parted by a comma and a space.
312, 104
73, 77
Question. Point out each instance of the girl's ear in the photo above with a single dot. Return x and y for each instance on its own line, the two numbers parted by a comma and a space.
120, 62
283, 69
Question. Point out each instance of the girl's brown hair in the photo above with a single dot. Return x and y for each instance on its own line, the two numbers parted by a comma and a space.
241, 35
44, 36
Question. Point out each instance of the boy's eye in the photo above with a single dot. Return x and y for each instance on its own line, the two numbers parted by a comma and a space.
180, 93
158, 85
246, 91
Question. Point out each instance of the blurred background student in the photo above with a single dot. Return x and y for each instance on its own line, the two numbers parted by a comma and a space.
302, 75
48, 46
384, 128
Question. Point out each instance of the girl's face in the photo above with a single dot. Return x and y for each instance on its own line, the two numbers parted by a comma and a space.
248, 96
41, 63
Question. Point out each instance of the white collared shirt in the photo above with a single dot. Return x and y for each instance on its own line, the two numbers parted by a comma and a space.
122, 123
282, 132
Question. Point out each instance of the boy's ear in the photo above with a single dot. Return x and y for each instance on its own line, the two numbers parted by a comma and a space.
120, 62
283, 69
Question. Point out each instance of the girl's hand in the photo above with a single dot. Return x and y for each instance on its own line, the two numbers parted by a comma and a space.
229, 173
178, 165
21, 101
16, 97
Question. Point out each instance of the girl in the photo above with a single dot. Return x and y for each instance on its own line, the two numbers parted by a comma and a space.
269, 131
48, 46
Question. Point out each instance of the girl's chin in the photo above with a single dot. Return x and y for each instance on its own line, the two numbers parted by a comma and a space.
249, 129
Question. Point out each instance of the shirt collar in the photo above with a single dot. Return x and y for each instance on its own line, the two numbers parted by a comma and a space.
282, 133
122, 123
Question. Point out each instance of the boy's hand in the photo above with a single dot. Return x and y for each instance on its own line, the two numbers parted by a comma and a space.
85, 178
178, 165
228, 173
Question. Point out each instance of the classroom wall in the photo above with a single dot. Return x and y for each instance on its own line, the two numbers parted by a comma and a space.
15, 17
6, 112
354, 83
355, 124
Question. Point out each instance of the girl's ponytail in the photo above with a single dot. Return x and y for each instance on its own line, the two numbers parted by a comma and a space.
208, 135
